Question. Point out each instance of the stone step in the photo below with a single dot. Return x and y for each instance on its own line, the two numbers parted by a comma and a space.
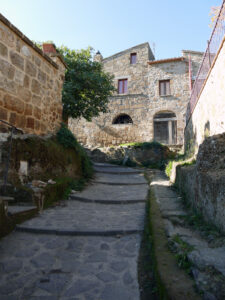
99, 193
113, 179
106, 165
77, 218
116, 170
15, 209
82, 199
7, 198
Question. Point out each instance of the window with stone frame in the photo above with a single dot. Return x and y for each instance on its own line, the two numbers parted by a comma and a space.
164, 87
133, 58
122, 86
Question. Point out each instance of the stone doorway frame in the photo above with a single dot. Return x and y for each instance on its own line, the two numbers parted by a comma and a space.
165, 120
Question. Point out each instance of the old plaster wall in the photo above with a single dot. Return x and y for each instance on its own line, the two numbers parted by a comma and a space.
142, 100
208, 117
30, 83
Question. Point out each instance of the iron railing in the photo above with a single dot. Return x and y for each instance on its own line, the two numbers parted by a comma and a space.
7, 162
209, 55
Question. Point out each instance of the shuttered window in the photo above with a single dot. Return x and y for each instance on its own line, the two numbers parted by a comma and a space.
133, 58
122, 86
164, 87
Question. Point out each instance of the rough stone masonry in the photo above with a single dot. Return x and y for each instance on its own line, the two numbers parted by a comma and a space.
150, 102
30, 82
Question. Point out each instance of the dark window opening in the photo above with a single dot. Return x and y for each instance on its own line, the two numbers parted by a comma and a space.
122, 86
165, 128
164, 87
133, 58
123, 119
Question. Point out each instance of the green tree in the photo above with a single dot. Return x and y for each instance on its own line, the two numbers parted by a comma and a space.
87, 87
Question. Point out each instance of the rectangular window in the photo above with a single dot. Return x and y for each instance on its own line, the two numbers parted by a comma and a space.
164, 87
133, 58
122, 86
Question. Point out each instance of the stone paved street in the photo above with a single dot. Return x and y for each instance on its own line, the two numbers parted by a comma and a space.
85, 249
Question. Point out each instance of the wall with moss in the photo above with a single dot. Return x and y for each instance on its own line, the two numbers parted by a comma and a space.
203, 184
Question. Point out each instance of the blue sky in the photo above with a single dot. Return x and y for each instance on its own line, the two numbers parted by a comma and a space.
115, 25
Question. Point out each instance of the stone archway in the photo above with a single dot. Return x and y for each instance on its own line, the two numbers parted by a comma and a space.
165, 127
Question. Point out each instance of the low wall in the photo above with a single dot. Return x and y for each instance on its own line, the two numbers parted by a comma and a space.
30, 83
203, 184
208, 117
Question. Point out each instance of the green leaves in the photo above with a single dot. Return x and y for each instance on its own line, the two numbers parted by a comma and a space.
87, 87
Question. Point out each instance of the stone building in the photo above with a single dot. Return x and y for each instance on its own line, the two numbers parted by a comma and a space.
30, 82
150, 102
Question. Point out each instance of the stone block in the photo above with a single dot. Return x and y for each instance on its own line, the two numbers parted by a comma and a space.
3, 50
26, 51
43, 128
17, 60
28, 110
37, 113
37, 61
35, 86
24, 94
42, 77
30, 123
19, 77
12, 118
30, 69
13, 104
7, 69
21, 121
26, 82
37, 125
3, 114
36, 100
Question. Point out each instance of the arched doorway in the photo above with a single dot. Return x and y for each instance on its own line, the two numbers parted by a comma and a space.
123, 119
165, 128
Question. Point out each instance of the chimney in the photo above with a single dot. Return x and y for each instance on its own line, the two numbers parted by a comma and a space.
98, 57
48, 48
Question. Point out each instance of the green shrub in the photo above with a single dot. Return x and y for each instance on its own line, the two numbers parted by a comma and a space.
168, 169
68, 140
144, 145
61, 189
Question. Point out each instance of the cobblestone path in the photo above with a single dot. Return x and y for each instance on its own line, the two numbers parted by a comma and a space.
87, 249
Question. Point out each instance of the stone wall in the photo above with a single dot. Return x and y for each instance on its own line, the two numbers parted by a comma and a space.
30, 83
142, 100
208, 117
203, 184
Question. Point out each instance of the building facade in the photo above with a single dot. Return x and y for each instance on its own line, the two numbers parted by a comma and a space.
149, 103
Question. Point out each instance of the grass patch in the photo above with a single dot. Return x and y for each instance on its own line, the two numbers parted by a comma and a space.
168, 168
181, 159
181, 250
68, 140
144, 145
61, 190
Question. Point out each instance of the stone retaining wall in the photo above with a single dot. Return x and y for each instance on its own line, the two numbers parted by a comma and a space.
30, 83
203, 184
